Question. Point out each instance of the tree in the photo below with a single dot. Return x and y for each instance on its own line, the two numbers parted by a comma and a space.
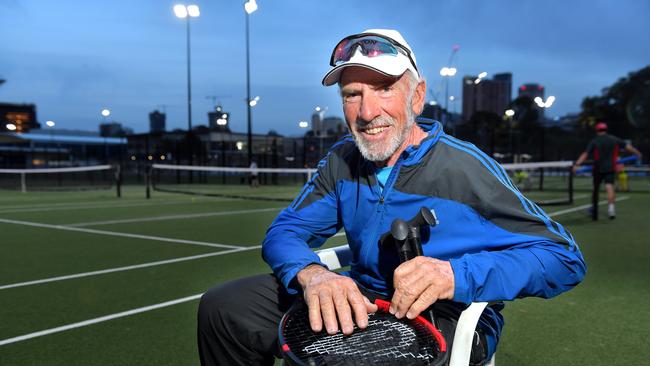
625, 105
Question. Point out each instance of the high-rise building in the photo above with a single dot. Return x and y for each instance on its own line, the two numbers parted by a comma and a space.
532, 91
333, 126
218, 119
486, 95
18, 117
317, 122
157, 122
114, 129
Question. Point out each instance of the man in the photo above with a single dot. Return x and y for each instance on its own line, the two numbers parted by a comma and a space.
491, 244
254, 182
603, 149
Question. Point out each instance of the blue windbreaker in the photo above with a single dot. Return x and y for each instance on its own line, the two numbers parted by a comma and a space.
501, 246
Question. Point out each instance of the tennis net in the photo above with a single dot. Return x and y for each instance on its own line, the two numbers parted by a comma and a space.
546, 183
61, 179
273, 184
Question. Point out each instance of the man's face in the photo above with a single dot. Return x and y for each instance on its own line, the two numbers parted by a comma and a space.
378, 111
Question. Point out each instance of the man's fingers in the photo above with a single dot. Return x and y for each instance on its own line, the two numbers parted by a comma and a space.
328, 312
315, 320
343, 312
428, 297
406, 292
370, 307
358, 305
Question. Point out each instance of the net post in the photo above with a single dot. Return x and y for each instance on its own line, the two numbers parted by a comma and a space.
23, 184
571, 185
118, 180
541, 179
147, 181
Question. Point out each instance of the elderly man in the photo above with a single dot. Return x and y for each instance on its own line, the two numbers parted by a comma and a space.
491, 244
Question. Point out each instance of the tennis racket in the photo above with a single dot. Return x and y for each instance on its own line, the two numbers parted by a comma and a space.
386, 341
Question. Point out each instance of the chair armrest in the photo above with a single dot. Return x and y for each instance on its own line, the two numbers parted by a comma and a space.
462, 347
337, 257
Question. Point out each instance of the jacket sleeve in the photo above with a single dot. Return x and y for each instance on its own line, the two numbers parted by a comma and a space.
519, 250
307, 223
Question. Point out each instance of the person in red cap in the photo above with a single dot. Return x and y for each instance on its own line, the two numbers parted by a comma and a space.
604, 149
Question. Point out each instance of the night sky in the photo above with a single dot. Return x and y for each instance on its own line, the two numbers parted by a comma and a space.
74, 58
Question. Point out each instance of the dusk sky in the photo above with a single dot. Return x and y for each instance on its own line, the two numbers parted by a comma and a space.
74, 58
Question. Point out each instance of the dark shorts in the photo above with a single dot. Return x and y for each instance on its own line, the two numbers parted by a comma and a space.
605, 177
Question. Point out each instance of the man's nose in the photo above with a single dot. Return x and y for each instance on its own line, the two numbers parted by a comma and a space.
370, 107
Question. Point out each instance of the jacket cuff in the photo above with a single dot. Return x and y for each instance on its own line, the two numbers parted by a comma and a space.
461, 283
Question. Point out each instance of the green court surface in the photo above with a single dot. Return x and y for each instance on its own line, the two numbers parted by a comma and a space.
90, 279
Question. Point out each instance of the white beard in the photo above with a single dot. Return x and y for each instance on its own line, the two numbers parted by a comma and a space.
379, 152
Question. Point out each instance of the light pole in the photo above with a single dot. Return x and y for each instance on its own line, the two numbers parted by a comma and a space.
249, 7
509, 115
303, 125
50, 124
448, 72
187, 12
543, 105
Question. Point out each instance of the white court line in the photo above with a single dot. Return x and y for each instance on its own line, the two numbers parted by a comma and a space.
126, 268
98, 320
174, 217
583, 207
70, 203
115, 233
80, 207
181, 300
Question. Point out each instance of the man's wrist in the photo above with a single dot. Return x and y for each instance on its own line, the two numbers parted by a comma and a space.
305, 275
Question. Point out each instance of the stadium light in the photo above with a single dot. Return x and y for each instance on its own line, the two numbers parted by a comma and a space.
249, 7
187, 12
510, 112
480, 77
11, 126
50, 123
303, 124
106, 112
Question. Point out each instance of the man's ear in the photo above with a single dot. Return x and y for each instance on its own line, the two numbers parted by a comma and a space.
417, 103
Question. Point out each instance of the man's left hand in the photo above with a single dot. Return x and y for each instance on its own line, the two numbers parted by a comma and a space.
419, 283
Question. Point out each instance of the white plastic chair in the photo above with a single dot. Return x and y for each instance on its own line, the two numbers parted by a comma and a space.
340, 256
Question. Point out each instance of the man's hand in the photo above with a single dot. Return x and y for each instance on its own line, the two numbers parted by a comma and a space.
419, 283
330, 295
575, 168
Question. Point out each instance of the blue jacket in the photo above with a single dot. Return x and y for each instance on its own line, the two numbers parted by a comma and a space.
501, 246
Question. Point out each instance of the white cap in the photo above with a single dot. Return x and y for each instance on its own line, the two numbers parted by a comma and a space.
389, 65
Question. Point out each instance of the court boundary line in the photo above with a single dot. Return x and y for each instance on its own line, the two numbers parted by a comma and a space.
119, 234
174, 217
584, 207
99, 319
84, 207
126, 268
181, 300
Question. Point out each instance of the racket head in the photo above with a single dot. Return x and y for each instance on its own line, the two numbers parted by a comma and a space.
386, 341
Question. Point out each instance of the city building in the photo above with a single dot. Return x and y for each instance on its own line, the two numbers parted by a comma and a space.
333, 126
58, 148
18, 117
486, 95
218, 120
532, 91
114, 129
157, 122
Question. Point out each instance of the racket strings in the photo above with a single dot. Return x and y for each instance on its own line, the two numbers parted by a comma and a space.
386, 341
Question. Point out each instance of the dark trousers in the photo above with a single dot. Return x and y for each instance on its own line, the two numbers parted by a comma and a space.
598, 178
238, 323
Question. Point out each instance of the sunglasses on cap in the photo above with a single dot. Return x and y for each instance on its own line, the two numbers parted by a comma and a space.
370, 45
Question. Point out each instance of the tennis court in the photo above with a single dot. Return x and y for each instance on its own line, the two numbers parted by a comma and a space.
87, 278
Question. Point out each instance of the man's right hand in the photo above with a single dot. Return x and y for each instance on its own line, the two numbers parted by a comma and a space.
330, 296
